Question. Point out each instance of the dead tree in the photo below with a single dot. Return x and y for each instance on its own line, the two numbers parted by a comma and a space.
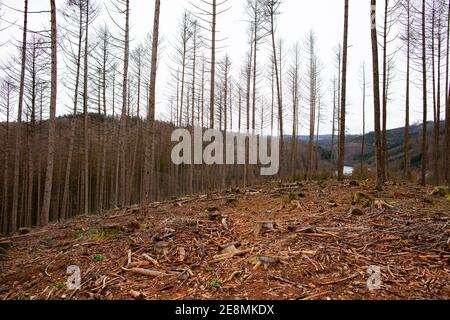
437, 30
271, 11
343, 97
447, 108
44, 218
376, 95
337, 107
312, 87
123, 116
207, 12
294, 74
149, 142
104, 68
13, 218
195, 48
363, 142
424, 90
75, 19
7, 90
182, 51
36, 70
406, 37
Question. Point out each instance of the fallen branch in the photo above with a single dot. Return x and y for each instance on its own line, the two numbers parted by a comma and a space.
138, 264
150, 259
147, 272
229, 255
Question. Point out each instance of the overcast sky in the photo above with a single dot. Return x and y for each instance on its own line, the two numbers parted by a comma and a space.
297, 18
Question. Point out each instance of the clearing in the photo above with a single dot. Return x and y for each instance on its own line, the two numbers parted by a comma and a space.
275, 241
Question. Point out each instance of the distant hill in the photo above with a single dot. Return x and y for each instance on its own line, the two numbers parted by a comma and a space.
395, 137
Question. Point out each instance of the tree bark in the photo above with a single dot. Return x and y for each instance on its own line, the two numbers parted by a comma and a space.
363, 143
44, 219
212, 97
150, 146
447, 109
5, 206
376, 95
13, 218
123, 118
406, 174
65, 199
277, 78
424, 74
343, 97
384, 149
85, 175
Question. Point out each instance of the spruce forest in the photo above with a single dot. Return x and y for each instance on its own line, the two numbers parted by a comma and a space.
92, 118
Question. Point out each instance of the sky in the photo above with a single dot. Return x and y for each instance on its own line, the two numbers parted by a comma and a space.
296, 19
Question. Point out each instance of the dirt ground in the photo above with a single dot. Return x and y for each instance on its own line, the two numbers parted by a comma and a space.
277, 241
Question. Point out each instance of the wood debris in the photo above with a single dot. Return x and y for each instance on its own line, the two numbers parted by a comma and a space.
182, 248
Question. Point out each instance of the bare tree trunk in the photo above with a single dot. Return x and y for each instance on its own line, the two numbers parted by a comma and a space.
44, 218
65, 199
447, 124
435, 107
138, 135
406, 174
85, 176
343, 98
225, 91
376, 94
247, 145
150, 146
183, 67
13, 218
317, 156
212, 80
295, 86
5, 208
333, 131
438, 105
123, 118
312, 104
363, 143
278, 85
31, 143
424, 74
255, 65
384, 149
194, 60
117, 155
39, 184
105, 130
447, 109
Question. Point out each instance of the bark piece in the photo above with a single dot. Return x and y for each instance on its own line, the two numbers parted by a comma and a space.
263, 227
138, 264
137, 295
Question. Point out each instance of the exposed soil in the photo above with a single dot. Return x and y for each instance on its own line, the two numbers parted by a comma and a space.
311, 244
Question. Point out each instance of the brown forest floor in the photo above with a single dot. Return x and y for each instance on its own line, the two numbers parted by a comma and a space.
317, 249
